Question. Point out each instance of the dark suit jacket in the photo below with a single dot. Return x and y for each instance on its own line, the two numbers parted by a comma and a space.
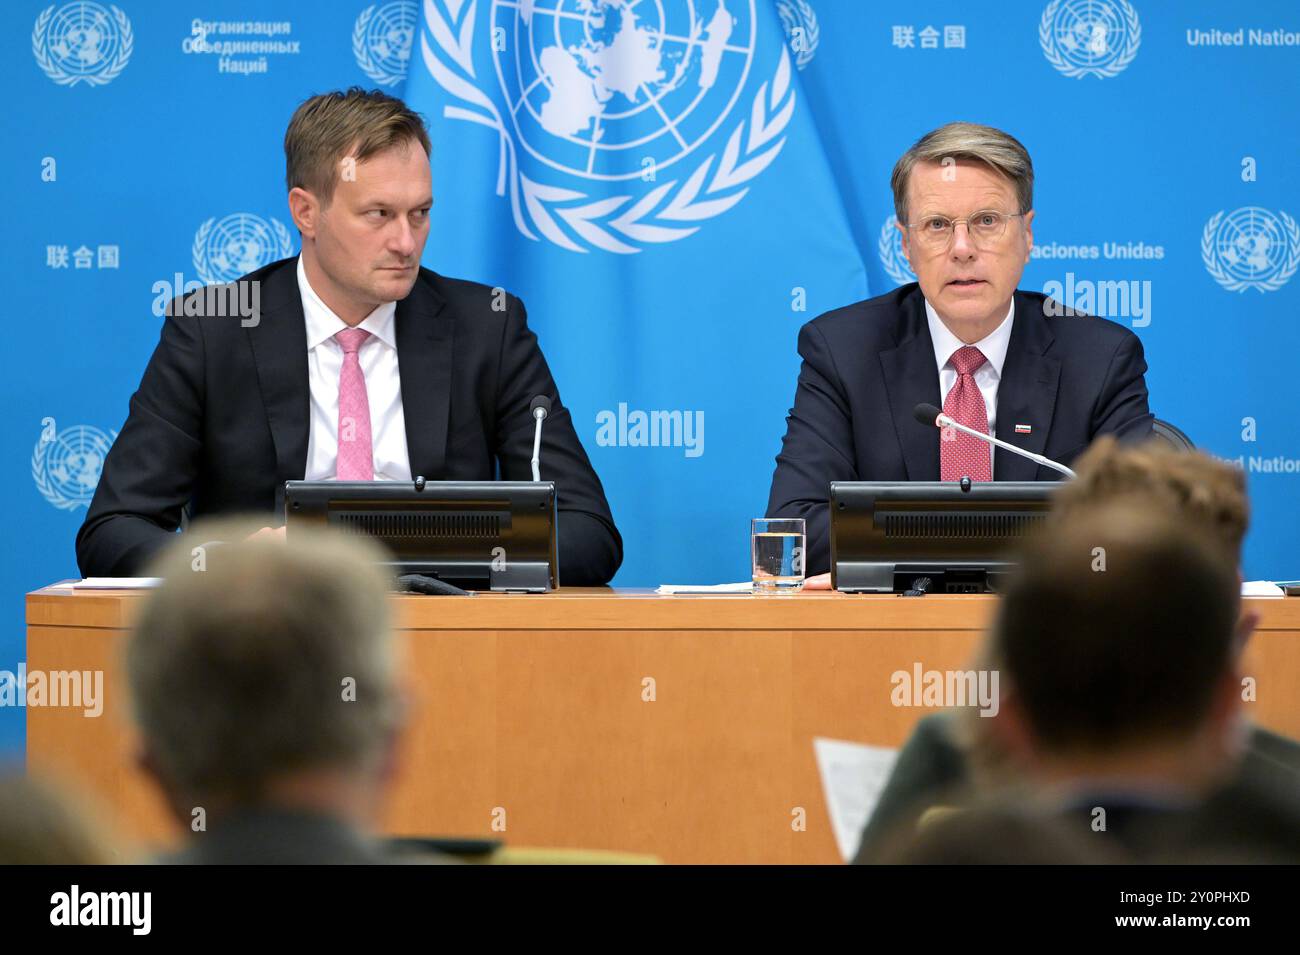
933, 770
220, 421
272, 836
867, 366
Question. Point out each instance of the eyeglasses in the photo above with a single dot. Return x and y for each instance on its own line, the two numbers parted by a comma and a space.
985, 228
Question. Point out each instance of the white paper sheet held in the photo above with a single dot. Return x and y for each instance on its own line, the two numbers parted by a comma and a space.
853, 777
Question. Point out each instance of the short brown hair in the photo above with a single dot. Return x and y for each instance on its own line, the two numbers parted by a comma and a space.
1189, 484
1000, 151
1117, 626
330, 127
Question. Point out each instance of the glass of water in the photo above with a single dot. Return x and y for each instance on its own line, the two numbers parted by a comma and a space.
777, 546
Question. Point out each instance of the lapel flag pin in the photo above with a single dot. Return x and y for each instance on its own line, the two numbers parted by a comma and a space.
1023, 429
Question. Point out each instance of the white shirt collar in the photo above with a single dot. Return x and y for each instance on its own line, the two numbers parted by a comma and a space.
993, 345
323, 324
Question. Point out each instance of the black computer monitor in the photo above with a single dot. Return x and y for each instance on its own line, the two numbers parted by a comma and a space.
478, 535
887, 535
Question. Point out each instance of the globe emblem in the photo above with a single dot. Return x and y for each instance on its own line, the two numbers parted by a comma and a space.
388, 36
238, 244
73, 461
596, 88
1089, 33
82, 38
1251, 244
1097, 37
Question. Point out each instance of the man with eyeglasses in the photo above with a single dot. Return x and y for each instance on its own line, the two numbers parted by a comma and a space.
1013, 364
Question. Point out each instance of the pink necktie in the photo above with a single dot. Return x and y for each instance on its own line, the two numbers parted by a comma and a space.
960, 455
356, 454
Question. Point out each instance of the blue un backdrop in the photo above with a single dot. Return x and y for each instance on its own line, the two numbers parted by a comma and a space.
673, 188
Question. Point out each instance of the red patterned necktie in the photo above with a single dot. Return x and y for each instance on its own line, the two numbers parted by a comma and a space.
960, 455
356, 460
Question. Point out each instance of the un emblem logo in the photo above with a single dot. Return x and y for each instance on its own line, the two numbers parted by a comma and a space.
609, 96
82, 43
381, 40
238, 244
1090, 37
892, 256
66, 464
1251, 248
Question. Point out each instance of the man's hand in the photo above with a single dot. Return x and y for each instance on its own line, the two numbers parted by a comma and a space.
818, 582
277, 532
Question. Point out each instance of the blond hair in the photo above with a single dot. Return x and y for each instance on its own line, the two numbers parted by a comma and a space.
1000, 151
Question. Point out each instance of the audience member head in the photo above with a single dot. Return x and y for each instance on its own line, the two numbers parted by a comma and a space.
263, 674
1199, 489
40, 825
1192, 486
1116, 637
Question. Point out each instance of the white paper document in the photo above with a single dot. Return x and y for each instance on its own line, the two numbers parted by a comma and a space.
853, 777
741, 588
116, 583
1261, 588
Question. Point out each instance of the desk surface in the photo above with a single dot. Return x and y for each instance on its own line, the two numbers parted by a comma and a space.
594, 608
533, 709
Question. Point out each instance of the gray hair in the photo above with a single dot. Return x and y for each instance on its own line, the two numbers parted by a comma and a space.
1000, 151
240, 664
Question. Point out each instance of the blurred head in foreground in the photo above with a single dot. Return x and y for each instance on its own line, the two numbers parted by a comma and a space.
263, 674
1117, 635
40, 825
1191, 485
1188, 487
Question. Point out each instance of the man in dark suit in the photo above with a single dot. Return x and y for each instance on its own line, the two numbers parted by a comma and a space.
1010, 363
354, 363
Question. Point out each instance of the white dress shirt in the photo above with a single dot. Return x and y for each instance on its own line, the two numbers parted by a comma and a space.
987, 376
378, 358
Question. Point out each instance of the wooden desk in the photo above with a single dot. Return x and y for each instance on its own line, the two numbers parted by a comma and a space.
534, 705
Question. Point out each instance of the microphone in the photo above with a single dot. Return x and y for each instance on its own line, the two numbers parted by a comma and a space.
929, 414
539, 409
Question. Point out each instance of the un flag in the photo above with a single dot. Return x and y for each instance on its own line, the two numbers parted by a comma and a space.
647, 177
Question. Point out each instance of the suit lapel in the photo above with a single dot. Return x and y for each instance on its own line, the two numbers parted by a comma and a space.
424, 356
1027, 392
911, 378
279, 344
